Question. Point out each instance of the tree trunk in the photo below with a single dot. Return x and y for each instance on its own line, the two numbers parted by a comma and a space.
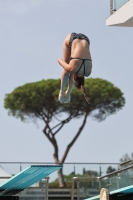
60, 171
62, 182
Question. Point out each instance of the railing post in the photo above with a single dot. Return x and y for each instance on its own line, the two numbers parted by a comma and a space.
78, 190
99, 181
72, 192
20, 167
46, 187
111, 7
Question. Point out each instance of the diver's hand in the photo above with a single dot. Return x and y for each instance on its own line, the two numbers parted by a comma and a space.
59, 60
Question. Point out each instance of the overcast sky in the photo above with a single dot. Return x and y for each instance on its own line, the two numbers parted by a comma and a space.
31, 36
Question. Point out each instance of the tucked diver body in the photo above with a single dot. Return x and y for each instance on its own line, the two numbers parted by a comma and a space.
77, 63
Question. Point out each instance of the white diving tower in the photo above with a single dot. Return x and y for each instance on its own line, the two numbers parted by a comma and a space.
121, 13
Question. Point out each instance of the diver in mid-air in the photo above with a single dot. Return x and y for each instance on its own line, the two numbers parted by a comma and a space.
77, 63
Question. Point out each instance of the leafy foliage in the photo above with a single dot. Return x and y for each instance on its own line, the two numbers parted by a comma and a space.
33, 99
110, 169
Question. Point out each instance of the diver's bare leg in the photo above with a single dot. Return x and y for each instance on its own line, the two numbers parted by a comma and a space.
64, 79
69, 89
65, 75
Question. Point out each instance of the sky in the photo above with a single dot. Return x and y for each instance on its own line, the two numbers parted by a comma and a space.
31, 37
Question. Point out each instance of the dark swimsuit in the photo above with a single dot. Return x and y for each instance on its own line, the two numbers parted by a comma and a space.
78, 36
82, 64
83, 37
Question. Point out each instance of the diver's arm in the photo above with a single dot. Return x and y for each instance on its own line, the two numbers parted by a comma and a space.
67, 67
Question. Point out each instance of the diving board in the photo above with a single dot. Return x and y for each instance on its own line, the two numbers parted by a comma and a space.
26, 178
123, 191
94, 198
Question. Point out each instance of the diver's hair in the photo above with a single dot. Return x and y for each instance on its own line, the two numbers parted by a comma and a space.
79, 84
85, 94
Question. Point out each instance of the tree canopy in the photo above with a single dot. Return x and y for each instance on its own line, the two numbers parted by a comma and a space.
39, 100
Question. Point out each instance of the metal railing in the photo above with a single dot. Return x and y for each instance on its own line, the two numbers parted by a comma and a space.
123, 165
83, 187
70, 170
111, 7
116, 172
86, 187
116, 4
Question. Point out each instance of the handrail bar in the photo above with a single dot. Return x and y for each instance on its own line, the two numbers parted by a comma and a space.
124, 163
116, 172
93, 163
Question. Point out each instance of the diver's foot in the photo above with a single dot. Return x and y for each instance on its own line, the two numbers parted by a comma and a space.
67, 97
61, 97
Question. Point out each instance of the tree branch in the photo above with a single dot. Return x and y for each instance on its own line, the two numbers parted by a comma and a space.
47, 131
51, 136
74, 139
59, 129
63, 123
